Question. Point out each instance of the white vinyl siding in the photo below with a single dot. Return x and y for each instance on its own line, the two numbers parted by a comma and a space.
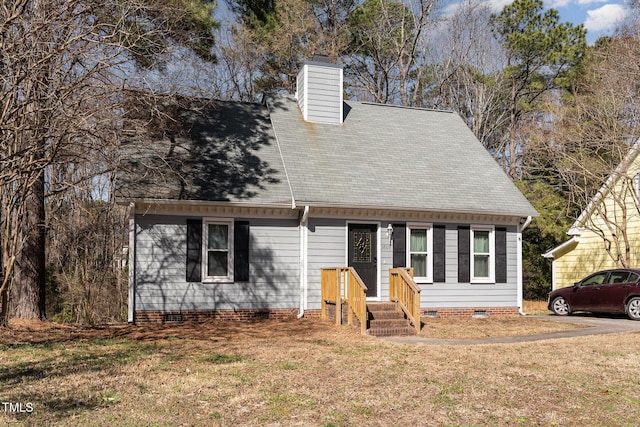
319, 94
455, 294
160, 268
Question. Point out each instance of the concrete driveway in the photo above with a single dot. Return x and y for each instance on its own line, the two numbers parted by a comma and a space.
591, 325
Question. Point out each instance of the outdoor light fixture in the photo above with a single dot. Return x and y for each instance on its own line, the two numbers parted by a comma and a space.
390, 232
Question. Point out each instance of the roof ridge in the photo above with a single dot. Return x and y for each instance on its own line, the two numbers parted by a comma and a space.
405, 107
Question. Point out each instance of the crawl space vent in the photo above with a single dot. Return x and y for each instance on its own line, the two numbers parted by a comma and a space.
173, 318
480, 313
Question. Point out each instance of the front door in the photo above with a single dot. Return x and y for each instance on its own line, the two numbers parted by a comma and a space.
362, 255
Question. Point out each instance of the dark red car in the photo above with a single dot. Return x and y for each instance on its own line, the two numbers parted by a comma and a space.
610, 291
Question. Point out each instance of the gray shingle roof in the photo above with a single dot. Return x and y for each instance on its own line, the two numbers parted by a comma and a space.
381, 156
392, 157
205, 151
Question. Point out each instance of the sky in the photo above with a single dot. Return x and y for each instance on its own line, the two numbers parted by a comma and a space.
599, 17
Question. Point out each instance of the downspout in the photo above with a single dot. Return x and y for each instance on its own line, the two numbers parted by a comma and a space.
304, 221
131, 306
521, 228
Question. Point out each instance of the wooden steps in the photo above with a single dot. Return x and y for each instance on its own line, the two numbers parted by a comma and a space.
385, 320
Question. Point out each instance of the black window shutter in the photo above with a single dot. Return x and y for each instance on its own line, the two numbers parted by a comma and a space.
241, 251
194, 250
501, 255
439, 263
399, 245
464, 257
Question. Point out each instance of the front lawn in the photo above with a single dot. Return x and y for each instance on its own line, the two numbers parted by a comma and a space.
305, 372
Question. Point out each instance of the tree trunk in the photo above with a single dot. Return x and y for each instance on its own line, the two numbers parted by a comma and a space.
28, 289
4, 307
4, 287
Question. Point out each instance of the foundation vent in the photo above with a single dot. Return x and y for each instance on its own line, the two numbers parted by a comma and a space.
173, 318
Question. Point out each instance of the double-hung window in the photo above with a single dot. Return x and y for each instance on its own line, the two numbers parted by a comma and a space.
218, 250
419, 252
482, 254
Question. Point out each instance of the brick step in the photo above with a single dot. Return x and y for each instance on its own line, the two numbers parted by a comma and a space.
381, 306
385, 320
386, 314
391, 332
388, 323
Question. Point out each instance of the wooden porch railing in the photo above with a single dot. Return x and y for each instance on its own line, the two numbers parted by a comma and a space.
404, 291
339, 284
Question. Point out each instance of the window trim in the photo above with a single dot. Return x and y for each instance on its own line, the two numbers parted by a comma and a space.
491, 278
229, 278
429, 228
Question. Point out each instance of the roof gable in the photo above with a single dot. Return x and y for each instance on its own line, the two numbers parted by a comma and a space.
630, 161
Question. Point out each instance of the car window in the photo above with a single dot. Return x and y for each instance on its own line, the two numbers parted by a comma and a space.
596, 279
633, 277
619, 277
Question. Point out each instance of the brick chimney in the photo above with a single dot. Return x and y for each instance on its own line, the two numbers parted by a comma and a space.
319, 91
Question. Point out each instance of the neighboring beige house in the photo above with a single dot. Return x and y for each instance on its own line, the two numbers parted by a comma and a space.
607, 232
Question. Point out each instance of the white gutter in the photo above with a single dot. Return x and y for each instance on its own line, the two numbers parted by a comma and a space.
552, 256
304, 221
142, 201
510, 216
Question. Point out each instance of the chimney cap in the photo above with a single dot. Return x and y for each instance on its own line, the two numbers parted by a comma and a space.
321, 57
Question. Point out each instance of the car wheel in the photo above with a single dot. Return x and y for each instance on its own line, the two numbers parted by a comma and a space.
560, 306
633, 308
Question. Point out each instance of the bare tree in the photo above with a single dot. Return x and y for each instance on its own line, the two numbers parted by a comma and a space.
468, 77
49, 106
270, 41
237, 73
387, 49
62, 66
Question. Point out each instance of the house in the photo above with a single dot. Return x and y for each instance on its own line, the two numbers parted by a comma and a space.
236, 207
607, 232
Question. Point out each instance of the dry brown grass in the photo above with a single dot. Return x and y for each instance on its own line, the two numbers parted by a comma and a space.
490, 327
493, 327
535, 307
305, 372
